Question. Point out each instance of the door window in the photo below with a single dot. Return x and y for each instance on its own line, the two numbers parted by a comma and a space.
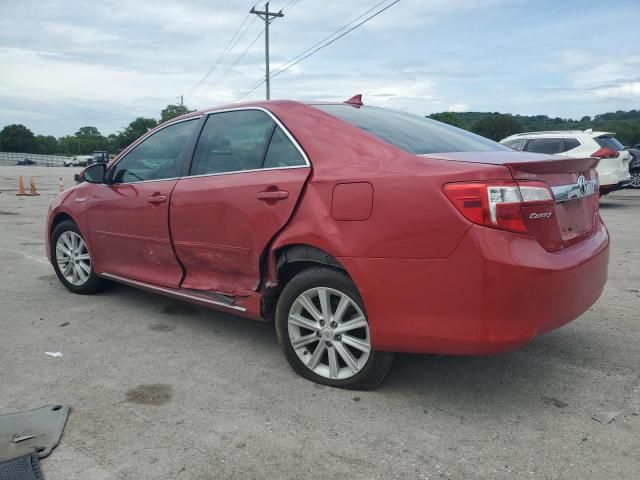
232, 142
544, 145
156, 158
282, 152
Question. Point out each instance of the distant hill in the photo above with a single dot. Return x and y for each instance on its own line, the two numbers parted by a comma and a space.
626, 125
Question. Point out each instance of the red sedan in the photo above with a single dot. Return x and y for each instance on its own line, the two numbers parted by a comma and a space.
359, 231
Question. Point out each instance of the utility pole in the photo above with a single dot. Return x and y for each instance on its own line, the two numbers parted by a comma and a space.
181, 101
266, 17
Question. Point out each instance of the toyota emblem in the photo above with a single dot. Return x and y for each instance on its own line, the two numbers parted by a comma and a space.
582, 185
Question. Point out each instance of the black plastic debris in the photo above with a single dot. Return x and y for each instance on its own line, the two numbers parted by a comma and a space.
25, 467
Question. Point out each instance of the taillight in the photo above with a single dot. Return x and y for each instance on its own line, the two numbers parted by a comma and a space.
605, 152
497, 204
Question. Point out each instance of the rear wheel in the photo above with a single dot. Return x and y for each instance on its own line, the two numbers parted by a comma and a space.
635, 179
72, 260
323, 330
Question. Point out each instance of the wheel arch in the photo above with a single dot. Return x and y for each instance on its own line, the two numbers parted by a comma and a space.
290, 260
58, 219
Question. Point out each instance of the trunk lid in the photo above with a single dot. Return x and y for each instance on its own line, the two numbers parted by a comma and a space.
573, 216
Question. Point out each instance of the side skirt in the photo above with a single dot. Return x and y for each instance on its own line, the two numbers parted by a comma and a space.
208, 299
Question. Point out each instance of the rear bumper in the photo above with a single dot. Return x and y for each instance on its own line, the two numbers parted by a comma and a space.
496, 292
604, 189
612, 179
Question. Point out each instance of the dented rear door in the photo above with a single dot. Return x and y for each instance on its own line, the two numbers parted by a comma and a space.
245, 180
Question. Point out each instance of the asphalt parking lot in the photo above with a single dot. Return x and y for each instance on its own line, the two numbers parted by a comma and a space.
164, 390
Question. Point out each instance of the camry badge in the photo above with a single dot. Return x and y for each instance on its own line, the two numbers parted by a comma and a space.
534, 216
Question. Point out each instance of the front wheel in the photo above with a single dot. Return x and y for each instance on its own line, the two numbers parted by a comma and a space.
635, 179
72, 260
323, 331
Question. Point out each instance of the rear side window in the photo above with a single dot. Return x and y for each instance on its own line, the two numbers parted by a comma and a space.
515, 144
232, 142
570, 144
544, 145
281, 152
609, 142
412, 133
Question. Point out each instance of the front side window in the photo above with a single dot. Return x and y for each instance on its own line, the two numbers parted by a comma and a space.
412, 133
544, 145
232, 142
157, 157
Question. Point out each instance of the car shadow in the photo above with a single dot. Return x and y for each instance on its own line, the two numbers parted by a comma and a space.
525, 378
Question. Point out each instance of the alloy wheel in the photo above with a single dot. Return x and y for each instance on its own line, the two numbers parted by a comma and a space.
635, 179
329, 333
73, 258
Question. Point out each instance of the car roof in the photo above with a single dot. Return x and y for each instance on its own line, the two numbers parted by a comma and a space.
558, 134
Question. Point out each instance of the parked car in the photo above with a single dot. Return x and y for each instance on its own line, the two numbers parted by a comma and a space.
26, 161
634, 167
613, 168
98, 156
67, 162
81, 160
358, 231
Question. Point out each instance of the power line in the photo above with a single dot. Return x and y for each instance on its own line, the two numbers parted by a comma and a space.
320, 45
228, 69
231, 44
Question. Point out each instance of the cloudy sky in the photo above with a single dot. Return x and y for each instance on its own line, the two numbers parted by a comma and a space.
65, 64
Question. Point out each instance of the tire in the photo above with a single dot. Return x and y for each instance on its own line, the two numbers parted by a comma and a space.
326, 352
635, 178
81, 277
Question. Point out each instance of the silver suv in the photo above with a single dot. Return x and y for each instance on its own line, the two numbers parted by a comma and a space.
613, 168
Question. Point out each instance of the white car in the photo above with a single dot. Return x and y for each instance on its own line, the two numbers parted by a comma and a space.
81, 160
613, 168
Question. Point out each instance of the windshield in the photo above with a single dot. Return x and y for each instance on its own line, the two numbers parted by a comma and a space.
412, 133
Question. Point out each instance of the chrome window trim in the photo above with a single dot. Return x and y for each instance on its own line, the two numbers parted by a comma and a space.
278, 123
564, 193
140, 181
149, 134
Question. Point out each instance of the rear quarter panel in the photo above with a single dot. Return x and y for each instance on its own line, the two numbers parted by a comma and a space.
410, 218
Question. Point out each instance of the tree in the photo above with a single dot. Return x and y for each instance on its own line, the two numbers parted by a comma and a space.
450, 118
586, 118
134, 130
497, 126
17, 138
173, 111
88, 132
47, 145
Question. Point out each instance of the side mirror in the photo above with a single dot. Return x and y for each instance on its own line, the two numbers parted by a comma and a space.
94, 173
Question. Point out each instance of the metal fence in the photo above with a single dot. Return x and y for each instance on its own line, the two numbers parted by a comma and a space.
11, 158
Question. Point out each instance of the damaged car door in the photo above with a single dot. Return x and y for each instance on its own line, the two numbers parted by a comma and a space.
129, 213
245, 178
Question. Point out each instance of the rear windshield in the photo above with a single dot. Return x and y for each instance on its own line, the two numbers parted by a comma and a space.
610, 142
412, 133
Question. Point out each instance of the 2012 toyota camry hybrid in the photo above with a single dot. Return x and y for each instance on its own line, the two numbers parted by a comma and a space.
358, 231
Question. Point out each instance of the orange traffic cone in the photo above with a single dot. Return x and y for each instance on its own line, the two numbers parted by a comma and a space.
32, 188
21, 191
61, 185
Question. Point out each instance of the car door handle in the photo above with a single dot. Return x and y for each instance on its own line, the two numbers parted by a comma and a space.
273, 195
157, 199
